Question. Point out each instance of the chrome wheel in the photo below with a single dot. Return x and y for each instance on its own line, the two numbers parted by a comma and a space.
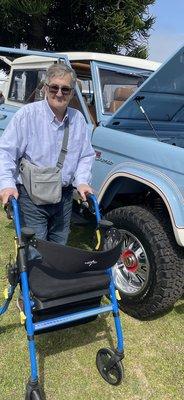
131, 273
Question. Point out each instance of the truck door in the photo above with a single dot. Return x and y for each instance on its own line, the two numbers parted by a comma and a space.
113, 85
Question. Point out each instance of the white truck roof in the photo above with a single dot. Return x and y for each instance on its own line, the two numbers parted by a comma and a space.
90, 56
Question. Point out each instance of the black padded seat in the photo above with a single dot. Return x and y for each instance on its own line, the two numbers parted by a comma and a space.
67, 271
48, 283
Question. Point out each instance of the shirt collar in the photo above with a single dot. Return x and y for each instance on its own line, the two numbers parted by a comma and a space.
52, 116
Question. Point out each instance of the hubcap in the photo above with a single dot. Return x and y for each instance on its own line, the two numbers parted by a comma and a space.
129, 260
131, 272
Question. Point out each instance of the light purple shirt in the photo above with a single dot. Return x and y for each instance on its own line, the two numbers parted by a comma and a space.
35, 133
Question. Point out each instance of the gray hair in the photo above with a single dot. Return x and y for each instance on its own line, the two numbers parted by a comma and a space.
60, 70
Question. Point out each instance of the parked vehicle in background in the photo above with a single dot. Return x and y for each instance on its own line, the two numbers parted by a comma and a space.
136, 122
6, 63
2, 80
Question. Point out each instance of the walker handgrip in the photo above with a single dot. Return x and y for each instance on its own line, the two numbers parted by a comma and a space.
9, 208
93, 205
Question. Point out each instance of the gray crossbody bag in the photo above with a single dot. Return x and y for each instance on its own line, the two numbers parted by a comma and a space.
44, 185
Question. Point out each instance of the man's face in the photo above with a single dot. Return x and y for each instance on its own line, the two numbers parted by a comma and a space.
59, 92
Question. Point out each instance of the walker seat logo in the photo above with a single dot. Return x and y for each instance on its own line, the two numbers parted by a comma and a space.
90, 263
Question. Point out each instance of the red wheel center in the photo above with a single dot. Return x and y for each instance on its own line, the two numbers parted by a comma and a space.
129, 260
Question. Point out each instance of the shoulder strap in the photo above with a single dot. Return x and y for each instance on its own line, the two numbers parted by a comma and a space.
63, 151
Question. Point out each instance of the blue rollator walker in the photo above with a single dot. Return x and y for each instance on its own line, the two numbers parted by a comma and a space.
65, 287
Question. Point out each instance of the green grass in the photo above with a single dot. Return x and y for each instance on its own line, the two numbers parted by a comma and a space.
154, 350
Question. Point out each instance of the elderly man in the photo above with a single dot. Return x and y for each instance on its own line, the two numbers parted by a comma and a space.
36, 134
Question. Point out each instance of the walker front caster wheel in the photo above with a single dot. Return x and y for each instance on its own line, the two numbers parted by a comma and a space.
110, 368
33, 391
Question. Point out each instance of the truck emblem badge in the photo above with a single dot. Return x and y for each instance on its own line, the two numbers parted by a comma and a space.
101, 159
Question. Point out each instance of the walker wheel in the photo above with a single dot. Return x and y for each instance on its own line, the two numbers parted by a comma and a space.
33, 392
34, 395
110, 369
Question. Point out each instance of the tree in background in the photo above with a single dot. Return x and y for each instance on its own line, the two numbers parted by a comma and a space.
112, 26
24, 21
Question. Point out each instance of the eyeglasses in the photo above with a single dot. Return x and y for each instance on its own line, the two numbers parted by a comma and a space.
65, 90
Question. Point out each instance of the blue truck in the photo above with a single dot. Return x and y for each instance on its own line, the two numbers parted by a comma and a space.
135, 113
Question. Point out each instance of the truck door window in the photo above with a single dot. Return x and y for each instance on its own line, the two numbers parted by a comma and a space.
26, 86
116, 88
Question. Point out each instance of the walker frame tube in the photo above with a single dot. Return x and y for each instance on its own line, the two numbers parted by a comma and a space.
117, 323
72, 317
25, 293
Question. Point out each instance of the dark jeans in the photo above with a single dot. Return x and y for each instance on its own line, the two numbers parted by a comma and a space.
51, 221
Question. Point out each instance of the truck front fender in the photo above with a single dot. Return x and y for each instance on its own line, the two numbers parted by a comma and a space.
160, 183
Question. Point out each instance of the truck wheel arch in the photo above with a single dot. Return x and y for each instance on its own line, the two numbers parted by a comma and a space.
126, 182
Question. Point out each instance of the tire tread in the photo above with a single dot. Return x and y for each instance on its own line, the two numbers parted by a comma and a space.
168, 256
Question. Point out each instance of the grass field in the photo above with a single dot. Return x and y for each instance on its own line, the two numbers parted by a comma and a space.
154, 350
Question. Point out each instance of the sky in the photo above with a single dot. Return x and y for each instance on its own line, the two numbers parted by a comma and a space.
167, 33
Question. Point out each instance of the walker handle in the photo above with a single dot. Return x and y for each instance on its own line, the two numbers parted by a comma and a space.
93, 206
11, 209
8, 208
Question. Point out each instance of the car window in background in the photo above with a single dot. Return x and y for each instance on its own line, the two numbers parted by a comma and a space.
87, 89
26, 86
